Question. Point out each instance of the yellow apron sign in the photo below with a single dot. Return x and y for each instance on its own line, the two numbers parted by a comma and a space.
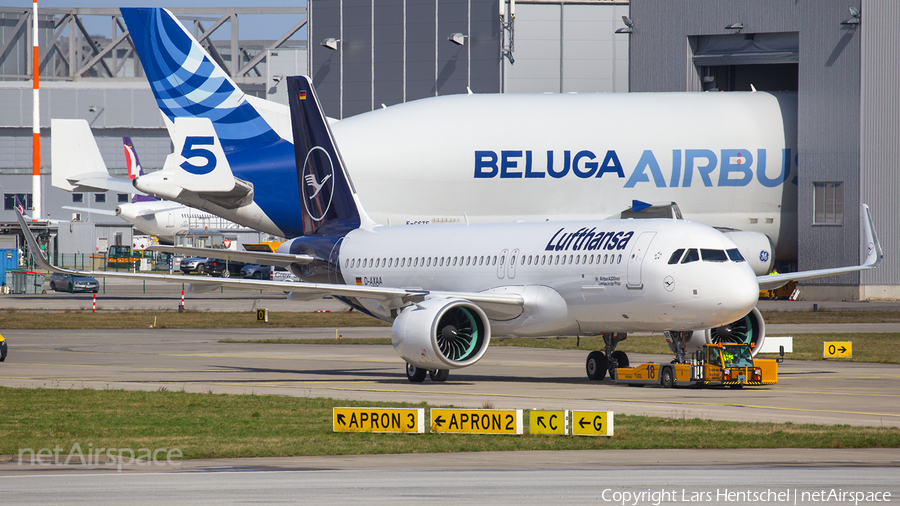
592, 423
548, 422
837, 349
476, 421
401, 420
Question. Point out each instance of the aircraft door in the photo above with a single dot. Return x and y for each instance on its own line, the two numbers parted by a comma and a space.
513, 258
501, 264
170, 219
636, 259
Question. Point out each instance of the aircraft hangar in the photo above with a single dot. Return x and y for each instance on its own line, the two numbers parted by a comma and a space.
840, 56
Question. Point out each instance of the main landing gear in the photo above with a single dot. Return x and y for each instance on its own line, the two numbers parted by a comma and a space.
417, 374
599, 362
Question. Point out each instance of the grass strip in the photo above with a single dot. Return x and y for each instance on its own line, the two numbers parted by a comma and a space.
221, 425
19, 320
822, 316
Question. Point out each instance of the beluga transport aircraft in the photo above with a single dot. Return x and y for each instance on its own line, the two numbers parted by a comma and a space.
727, 159
448, 290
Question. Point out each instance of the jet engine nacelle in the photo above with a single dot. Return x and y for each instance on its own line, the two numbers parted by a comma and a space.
756, 248
441, 334
750, 329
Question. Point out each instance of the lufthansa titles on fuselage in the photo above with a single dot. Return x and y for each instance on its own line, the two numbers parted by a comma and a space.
736, 166
588, 239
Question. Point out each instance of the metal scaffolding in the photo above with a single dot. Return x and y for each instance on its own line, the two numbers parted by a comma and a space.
68, 52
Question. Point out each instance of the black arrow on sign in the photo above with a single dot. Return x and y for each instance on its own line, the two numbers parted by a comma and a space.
540, 421
583, 423
340, 418
843, 350
439, 421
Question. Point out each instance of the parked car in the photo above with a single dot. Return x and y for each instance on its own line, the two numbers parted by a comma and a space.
193, 264
256, 271
282, 274
223, 268
72, 283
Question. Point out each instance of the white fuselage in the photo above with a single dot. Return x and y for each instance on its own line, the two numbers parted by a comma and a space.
575, 277
165, 219
727, 159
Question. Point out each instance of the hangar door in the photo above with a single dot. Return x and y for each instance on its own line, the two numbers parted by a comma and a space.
768, 61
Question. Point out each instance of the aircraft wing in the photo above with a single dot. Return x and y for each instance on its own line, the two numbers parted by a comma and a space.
250, 257
392, 297
874, 257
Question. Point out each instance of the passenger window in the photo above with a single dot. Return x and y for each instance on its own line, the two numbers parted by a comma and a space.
676, 256
605, 258
735, 255
502, 259
620, 259
713, 255
377, 262
692, 255
429, 261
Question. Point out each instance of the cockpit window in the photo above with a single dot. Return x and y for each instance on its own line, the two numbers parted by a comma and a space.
713, 255
692, 255
676, 256
735, 255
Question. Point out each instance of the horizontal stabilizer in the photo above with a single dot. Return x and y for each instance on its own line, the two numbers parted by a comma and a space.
104, 212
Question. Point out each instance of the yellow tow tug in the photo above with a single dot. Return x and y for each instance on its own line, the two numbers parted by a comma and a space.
712, 365
3, 348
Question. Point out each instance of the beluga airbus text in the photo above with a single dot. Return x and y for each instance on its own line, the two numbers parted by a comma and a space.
448, 290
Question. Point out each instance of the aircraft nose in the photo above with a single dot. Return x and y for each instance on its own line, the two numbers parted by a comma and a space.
740, 292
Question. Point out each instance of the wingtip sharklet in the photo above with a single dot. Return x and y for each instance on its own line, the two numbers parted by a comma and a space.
874, 253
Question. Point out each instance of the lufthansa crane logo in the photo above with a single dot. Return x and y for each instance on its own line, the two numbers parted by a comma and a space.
318, 193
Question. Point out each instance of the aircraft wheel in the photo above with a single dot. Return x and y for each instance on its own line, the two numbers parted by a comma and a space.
596, 365
621, 358
415, 374
439, 375
667, 378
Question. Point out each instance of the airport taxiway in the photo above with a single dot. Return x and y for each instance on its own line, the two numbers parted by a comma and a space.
825, 392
